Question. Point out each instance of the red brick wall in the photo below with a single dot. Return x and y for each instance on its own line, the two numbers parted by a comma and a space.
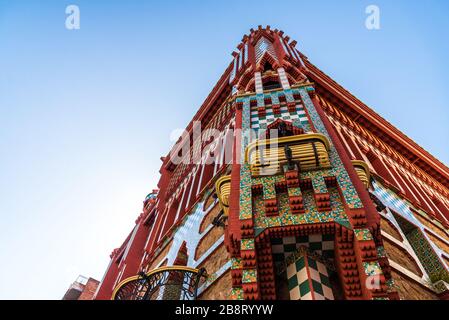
89, 289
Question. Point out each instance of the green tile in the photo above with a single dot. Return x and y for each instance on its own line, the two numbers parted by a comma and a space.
292, 282
313, 246
300, 264
302, 239
290, 247
304, 288
312, 263
325, 280
317, 287
328, 237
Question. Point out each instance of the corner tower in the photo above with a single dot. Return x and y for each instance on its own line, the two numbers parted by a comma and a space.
311, 199
285, 186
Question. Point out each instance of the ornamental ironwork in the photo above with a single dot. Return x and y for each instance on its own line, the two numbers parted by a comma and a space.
165, 283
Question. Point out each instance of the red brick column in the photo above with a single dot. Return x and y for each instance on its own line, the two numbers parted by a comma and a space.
232, 235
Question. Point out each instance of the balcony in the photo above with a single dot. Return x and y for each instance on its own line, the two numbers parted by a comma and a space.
308, 151
223, 190
362, 170
165, 283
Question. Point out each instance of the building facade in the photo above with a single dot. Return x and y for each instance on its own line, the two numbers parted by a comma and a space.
82, 289
286, 186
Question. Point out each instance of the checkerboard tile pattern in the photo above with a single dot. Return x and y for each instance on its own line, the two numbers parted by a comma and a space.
308, 279
282, 248
284, 80
263, 122
391, 200
258, 84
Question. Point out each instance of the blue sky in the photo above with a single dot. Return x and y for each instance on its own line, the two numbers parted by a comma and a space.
86, 114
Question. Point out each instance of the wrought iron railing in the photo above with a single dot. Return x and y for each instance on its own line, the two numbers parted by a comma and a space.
165, 283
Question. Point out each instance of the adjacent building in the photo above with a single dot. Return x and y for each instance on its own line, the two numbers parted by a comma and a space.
82, 289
